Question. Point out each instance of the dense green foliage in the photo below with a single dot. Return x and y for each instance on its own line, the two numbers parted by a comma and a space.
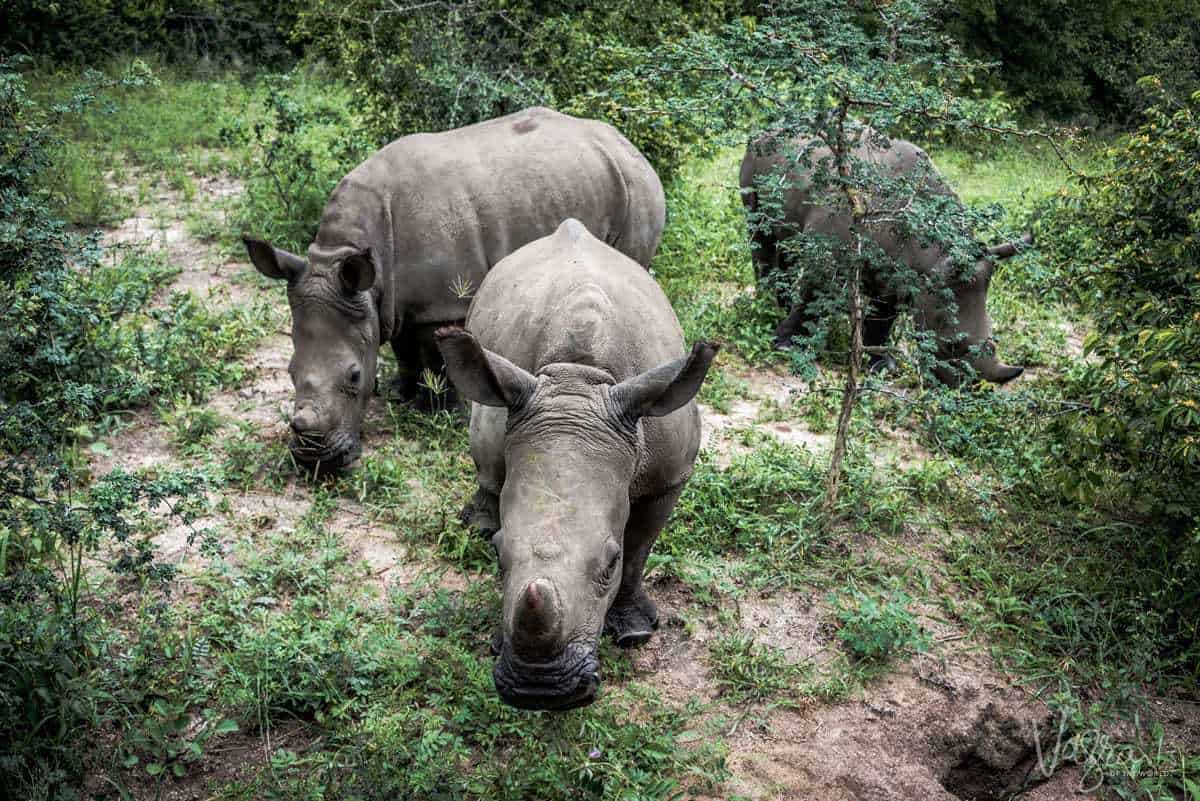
1133, 236
79, 340
1081, 56
88, 31
329, 639
293, 157
436, 66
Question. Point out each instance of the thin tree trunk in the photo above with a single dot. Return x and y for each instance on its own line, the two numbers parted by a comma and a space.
850, 392
858, 211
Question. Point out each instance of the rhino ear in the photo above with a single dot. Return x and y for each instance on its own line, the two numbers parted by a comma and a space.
273, 262
480, 375
667, 387
357, 272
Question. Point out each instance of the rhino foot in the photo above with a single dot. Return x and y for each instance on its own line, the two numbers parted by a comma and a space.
632, 625
482, 512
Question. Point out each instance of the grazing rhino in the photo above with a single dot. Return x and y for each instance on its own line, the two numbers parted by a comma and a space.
964, 336
584, 431
410, 233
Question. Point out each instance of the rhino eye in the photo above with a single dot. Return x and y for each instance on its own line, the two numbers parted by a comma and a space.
355, 375
612, 564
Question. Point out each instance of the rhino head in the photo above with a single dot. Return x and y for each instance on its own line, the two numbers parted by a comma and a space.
964, 329
571, 449
335, 335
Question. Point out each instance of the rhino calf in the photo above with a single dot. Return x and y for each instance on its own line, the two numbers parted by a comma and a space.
963, 330
409, 234
584, 431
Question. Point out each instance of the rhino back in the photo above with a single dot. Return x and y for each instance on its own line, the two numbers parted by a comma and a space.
570, 298
455, 203
804, 212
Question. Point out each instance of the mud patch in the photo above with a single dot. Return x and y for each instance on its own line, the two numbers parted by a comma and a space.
906, 739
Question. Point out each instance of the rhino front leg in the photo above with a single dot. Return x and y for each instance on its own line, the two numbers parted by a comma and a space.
482, 512
877, 326
632, 618
442, 395
403, 387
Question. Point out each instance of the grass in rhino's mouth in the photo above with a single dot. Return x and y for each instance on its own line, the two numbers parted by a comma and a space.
334, 451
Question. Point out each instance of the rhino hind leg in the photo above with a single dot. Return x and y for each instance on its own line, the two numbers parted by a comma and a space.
633, 616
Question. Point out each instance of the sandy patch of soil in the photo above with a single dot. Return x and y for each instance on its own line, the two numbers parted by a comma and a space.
764, 389
938, 729
160, 224
144, 444
769, 408
266, 399
943, 726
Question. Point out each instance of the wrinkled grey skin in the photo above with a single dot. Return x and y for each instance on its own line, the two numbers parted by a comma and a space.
584, 431
410, 233
964, 336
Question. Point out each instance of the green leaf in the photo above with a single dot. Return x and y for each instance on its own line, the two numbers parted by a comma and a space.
226, 726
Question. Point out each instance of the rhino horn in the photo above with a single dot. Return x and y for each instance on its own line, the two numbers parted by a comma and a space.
1009, 249
998, 372
537, 619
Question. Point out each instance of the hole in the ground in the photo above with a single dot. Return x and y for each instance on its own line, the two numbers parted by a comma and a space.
974, 778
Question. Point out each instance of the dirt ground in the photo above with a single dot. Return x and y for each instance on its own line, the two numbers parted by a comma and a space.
945, 725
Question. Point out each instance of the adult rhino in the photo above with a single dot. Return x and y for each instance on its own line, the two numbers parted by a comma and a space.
584, 431
411, 232
963, 329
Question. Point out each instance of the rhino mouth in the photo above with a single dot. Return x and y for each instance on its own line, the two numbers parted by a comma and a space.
334, 452
567, 681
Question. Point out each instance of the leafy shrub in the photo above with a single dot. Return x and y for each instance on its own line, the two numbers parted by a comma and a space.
293, 159
441, 66
77, 341
876, 628
1133, 238
87, 31
1072, 56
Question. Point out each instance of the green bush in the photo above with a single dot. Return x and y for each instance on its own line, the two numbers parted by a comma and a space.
294, 157
88, 31
436, 66
1133, 237
1071, 57
78, 340
875, 628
